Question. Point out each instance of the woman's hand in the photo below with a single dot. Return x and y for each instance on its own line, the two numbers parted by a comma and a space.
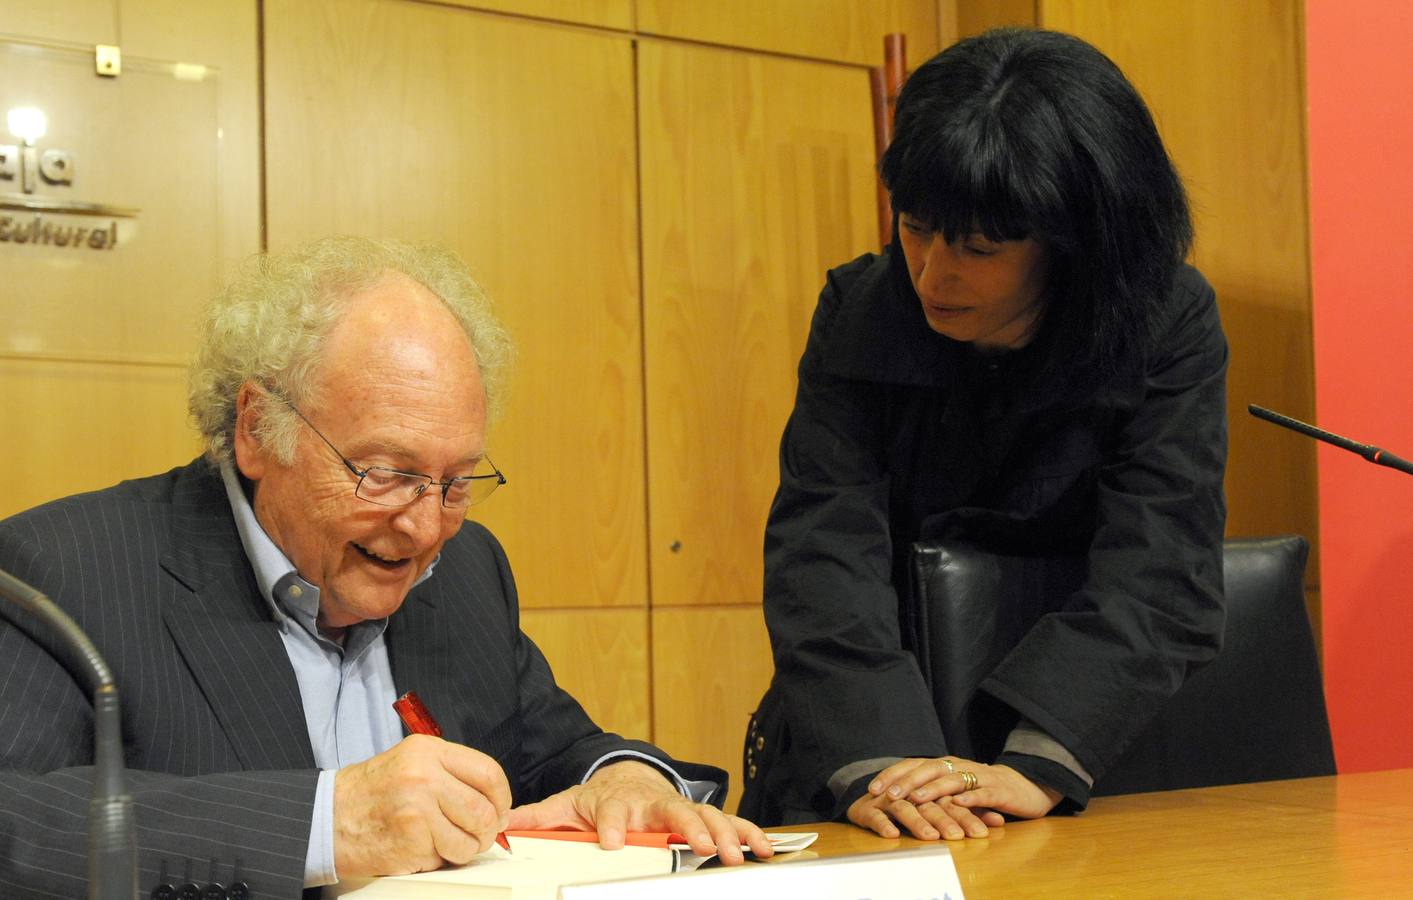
948, 797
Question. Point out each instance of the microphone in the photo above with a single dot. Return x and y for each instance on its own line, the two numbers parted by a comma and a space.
1368, 451
112, 844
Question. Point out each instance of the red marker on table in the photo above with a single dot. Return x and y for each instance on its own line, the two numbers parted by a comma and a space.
418, 719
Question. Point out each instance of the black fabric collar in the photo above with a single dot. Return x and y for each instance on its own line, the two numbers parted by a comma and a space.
879, 333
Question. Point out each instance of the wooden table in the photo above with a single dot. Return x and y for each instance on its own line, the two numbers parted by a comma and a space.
1341, 836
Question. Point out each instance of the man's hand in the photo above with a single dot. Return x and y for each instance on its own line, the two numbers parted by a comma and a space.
421, 804
634, 796
928, 797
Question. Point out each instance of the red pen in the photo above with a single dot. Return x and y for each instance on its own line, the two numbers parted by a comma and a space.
418, 719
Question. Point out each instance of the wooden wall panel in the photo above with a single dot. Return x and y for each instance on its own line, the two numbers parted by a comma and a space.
921, 21
842, 30
601, 657
976, 16
710, 667
55, 413
756, 177
69, 21
513, 143
601, 13
1224, 82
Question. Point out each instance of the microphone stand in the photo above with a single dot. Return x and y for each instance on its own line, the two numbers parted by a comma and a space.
1368, 451
112, 845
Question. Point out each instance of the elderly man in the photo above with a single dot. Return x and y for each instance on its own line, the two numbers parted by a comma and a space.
262, 607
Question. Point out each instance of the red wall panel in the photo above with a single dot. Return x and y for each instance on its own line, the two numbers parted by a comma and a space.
1360, 95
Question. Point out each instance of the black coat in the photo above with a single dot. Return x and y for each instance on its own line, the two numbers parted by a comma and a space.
900, 434
218, 752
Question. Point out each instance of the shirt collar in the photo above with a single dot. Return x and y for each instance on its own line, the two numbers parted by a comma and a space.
281, 586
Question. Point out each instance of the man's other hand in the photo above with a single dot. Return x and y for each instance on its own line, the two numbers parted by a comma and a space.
421, 804
634, 796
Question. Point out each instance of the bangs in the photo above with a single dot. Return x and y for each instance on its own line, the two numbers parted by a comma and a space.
970, 179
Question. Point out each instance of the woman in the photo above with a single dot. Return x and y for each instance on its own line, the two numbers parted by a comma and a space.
1030, 366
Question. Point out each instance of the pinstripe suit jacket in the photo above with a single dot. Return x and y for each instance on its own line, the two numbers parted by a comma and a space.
215, 740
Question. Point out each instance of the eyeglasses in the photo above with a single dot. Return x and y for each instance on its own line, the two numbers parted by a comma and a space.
393, 487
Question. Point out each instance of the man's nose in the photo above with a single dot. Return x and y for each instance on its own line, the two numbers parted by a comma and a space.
422, 518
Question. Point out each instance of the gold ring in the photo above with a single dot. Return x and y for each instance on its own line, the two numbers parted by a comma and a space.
968, 780
951, 769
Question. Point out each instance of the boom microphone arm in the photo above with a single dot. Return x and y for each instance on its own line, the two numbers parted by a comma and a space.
1368, 451
112, 845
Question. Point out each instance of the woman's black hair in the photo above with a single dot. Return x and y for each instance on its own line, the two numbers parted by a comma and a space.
1027, 133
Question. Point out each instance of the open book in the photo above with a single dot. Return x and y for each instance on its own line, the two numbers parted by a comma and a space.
541, 863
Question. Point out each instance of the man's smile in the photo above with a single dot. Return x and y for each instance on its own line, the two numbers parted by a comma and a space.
382, 561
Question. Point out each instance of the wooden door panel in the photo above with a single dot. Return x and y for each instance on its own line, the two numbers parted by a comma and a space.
710, 668
757, 177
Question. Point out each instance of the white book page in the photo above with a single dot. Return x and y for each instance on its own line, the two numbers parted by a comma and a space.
536, 869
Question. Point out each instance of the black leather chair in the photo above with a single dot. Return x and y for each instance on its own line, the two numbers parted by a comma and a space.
1255, 713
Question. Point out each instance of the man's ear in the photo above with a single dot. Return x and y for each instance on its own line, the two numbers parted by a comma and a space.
249, 455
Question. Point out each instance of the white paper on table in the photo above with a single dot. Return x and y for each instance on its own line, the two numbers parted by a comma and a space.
925, 873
